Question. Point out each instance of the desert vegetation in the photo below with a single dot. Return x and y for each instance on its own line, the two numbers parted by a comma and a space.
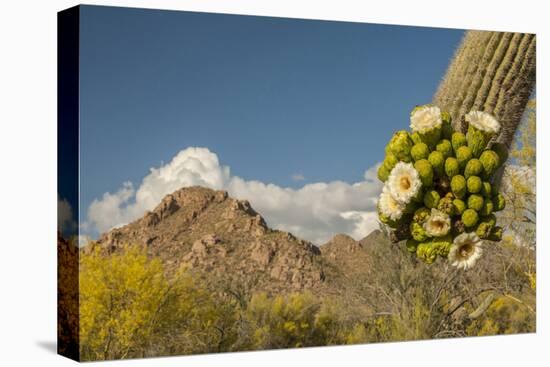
131, 306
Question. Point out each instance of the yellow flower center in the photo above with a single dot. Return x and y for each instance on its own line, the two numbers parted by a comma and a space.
405, 183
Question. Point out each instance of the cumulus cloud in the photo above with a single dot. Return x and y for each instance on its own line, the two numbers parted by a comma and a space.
314, 212
66, 222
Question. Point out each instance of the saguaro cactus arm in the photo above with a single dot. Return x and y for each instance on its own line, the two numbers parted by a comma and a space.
493, 72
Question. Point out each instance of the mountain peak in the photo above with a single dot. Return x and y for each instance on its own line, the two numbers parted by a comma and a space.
340, 246
375, 236
219, 236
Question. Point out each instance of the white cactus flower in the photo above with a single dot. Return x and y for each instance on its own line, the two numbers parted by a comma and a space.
483, 121
465, 251
438, 224
390, 207
404, 182
425, 119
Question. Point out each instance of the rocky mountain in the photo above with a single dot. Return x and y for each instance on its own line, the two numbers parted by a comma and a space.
225, 240
221, 238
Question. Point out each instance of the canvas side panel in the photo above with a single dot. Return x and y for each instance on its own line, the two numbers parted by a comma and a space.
68, 182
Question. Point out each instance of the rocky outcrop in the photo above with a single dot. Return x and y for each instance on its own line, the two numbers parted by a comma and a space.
218, 236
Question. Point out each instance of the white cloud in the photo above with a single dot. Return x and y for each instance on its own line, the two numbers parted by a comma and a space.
66, 223
365, 223
314, 212
192, 166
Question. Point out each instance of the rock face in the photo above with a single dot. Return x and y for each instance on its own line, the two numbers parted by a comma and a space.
221, 238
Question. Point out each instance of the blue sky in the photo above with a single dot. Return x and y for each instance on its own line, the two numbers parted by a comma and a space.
272, 97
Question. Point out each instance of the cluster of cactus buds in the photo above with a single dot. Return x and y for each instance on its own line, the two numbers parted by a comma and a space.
439, 186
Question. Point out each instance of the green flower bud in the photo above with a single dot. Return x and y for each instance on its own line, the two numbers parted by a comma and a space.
445, 148
458, 186
477, 140
416, 138
486, 189
390, 161
426, 252
459, 207
400, 145
411, 245
473, 183
445, 205
487, 207
483, 230
470, 218
383, 173
473, 168
421, 214
490, 161
451, 167
437, 161
475, 202
499, 202
442, 245
418, 232
502, 152
425, 171
431, 199
463, 156
496, 234
420, 151
431, 137
458, 140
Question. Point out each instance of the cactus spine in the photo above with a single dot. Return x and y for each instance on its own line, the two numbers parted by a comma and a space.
492, 72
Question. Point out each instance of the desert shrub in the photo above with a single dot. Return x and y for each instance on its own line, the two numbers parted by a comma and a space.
505, 316
299, 320
120, 300
129, 308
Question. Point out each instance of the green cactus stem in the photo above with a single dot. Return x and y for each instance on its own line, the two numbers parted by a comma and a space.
492, 72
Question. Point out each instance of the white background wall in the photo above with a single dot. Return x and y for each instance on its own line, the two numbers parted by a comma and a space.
28, 181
